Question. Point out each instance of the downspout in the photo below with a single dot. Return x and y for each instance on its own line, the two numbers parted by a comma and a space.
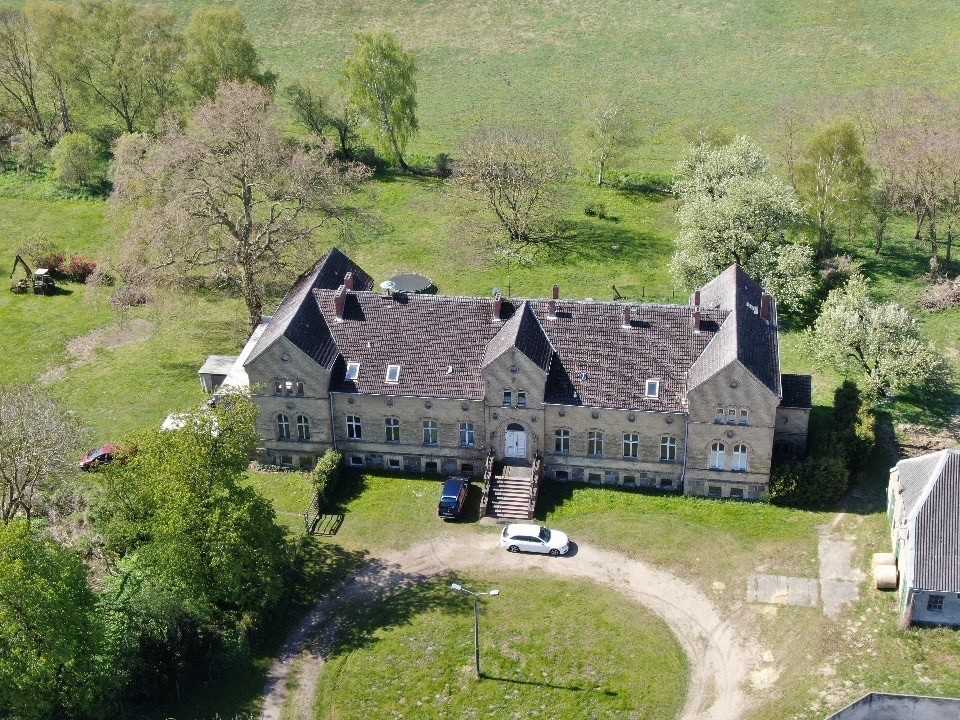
686, 436
333, 423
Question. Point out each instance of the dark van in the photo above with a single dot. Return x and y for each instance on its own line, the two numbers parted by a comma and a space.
453, 497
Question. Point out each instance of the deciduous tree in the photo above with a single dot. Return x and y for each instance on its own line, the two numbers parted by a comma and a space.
76, 161
517, 176
880, 341
319, 113
229, 192
732, 209
38, 446
382, 83
608, 131
20, 74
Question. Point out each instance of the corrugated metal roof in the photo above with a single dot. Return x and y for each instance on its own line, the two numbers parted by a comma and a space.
937, 528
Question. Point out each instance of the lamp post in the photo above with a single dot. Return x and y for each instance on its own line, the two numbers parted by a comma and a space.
457, 587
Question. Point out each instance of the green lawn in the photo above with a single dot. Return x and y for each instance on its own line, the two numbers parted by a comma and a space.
550, 649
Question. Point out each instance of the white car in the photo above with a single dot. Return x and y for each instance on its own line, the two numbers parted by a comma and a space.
519, 537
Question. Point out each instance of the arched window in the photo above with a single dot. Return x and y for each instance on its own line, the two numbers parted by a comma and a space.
718, 456
668, 448
303, 427
740, 457
283, 427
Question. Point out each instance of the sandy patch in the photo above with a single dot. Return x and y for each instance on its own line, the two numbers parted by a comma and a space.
83, 350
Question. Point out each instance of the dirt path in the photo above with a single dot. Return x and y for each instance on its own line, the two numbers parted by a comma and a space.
83, 350
721, 662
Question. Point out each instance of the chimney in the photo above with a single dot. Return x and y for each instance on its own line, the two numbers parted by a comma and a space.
348, 281
765, 307
556, 292
626, 316
339, 302
497, 308
695, 320
696, 298
552, 309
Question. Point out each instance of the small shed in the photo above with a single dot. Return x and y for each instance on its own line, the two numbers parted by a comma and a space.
215, 370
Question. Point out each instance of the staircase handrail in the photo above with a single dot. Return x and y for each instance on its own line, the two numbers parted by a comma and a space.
487, 481
535, 483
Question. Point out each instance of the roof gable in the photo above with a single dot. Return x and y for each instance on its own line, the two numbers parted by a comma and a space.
523, 332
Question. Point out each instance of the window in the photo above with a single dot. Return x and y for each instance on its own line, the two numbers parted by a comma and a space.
430, 466
393, 374
303, 428
429, 432
466, 468
666, 483
356, 460
278, 387
631, 445
595, 478
935, 603
353, 371
283, 427
668, 448
306, 462
354, 428
391, 429
521, 399
299, 387
629, 480
731, 415
595, 443
288, 387
286, 461
740, 457
717, 456
653, 388
394, 462
720, 416
561, 475
736, 493
467, 437
561, 441
715, 491
612, 478
744, 416
507, 398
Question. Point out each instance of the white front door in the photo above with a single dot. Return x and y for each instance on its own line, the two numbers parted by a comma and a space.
516, 445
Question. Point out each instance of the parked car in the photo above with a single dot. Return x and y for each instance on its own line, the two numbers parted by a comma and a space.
97, 457
519, 537
453, 497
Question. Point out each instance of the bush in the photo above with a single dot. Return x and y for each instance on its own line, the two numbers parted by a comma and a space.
941, 295
643, 183
30, 152
595, 209
442, 165
76, 161
814, 482
326, 477
79, 269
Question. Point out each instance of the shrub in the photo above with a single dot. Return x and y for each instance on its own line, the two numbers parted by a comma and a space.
814, 482
595, 209
442, 165
941, 295
76, 161
836, 270
326, 477
79, 268
643, 183
30, 152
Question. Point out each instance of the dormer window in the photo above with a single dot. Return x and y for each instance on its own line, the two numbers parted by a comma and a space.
353, 371
393, 374
652, 389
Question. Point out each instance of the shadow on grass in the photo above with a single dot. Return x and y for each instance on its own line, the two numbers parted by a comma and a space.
937, 408
553, 495
552, 686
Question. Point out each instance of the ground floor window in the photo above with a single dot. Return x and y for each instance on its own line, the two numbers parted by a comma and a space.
935, 603
286, 461
736, 492
561, 475
394, 463
430, 466
714, 491
666, 483
306, 462
629, 480
595, 478
612, 477
356, 460
466, 467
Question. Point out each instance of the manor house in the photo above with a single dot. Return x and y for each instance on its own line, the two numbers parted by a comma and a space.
681, 397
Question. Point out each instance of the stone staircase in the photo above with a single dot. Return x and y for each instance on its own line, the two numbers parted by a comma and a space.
513, 489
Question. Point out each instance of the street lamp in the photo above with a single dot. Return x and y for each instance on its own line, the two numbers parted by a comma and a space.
457, 587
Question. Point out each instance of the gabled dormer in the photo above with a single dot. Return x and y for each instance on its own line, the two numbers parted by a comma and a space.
517, 359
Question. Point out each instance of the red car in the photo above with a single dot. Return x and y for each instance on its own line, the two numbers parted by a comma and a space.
101, 456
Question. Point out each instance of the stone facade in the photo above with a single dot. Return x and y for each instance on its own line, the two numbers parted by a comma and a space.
520, 387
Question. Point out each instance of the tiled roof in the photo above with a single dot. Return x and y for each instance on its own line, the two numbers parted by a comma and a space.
797, 391
937, 543
744, 335
523, 332
299, 321
595, 360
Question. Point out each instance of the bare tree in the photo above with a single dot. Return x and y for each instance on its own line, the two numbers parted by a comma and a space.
229, 192
608, 131
38, 443
517, 175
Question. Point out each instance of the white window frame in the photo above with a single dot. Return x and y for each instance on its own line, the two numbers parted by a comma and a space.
431, 433
668, 448
718, 455
393, 375
561, 441
595, 443
508, 398
283, 426
353, 371
468, 436
521, 398
721, 415
631, 445
741, 460
656, 388
303, 428
391, 430
354, 427
731, 415
744, 417
354, 459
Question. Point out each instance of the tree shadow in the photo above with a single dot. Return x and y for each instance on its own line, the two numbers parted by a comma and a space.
552, 686
936, 408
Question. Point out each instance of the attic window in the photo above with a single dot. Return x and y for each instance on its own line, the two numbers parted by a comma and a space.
653, 388
353, 371
393, 374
